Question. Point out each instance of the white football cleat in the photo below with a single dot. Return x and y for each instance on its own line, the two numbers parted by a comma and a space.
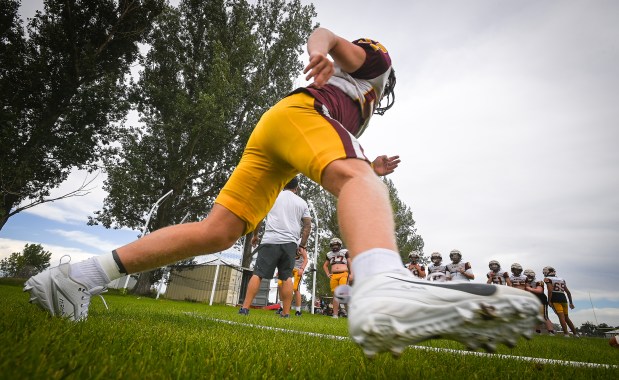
56, 292
390, 311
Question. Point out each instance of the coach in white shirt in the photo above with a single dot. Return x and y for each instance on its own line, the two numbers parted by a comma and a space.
287, 228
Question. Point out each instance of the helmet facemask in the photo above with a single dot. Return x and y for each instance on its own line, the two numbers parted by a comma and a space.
530, 274
388, 95
516, 269
494, 266
455, 257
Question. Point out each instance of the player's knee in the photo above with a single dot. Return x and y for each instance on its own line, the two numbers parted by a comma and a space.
217, 238
339, 173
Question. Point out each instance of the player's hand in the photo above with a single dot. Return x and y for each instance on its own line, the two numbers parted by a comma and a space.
320, 69
572, 306
384, 165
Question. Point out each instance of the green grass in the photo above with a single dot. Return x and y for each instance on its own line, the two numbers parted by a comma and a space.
143, 338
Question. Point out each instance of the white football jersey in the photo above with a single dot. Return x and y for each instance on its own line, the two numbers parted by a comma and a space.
454, 270
339, 257
518, 281
498, 278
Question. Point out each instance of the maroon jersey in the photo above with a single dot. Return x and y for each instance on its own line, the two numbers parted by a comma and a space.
351, 98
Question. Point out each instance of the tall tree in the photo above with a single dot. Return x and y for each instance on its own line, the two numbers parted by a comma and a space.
212, 69
32, 260
62, 90
406, 235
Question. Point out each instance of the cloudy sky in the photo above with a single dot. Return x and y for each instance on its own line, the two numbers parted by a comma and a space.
506, 121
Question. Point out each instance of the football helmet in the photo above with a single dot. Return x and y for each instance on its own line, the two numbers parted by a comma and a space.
530, 274
516, 269
494, 265
549, 271
436, 258
414, 256
455, 256
335, 244
388, 95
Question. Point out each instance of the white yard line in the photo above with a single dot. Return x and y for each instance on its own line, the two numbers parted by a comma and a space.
422, 348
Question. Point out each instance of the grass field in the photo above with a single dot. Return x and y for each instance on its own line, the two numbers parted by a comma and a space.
143, 338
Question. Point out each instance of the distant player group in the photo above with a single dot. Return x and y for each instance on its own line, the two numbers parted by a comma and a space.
559, 296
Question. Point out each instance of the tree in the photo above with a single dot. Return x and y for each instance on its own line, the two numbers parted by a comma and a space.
590, 329
405, 231
32, 260
63, 91
212, 69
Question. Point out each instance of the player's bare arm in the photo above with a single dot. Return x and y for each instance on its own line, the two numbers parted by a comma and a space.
305, 260
323, 42
349, 269
569, 297
306, 228
325, 267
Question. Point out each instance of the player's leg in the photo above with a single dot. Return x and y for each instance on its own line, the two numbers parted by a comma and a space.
243, 202
297, 302
285, 267
336, 307
558, 308
477, 315
474, 314
364, 210
286, 296
253, 287
296, 293
217, 232
65, 290
568, 321
549, 326
333, 283
279, 292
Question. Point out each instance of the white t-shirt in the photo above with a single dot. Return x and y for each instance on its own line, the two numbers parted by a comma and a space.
283, 223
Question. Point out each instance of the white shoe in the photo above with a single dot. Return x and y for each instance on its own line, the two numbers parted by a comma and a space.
55, 291
390, 311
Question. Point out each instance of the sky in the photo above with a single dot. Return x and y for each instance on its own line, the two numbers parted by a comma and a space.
506, 123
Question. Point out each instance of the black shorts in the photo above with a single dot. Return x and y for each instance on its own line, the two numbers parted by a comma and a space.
275, 256
542, 298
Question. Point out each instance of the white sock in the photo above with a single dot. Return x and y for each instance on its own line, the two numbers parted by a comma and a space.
297, 308
109, 266
90, 273
374, 261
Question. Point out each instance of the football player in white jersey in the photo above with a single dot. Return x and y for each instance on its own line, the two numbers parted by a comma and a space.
496, 275
558, 297
314, 131
537, 288
458, 269
340, 272
517, 278
437, 271
417, 269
